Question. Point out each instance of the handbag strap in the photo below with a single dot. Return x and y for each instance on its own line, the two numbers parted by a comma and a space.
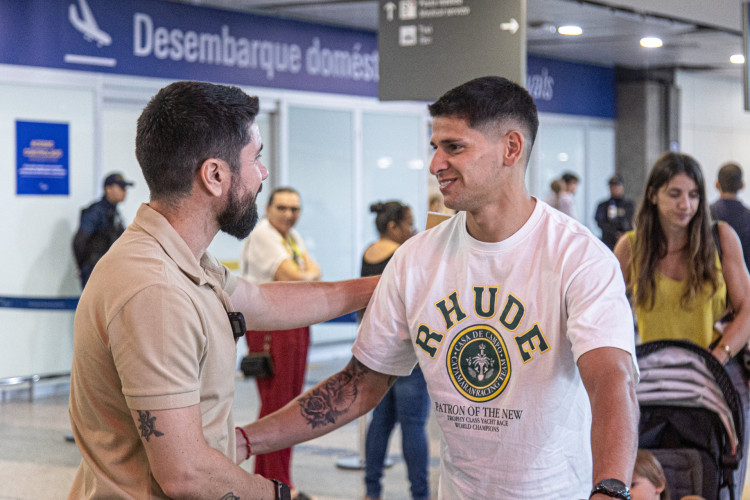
717, 243
717, 240
267, 343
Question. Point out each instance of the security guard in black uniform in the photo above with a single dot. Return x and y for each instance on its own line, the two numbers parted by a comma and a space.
101, 224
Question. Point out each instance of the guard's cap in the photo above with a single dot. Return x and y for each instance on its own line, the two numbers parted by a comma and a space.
117, 178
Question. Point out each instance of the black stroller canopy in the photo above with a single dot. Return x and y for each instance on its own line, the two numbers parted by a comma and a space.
688, 402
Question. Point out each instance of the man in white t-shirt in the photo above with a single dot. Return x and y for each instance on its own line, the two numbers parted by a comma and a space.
517, 316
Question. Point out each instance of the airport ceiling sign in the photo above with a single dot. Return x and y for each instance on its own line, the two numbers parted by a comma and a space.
156, 38
429, 46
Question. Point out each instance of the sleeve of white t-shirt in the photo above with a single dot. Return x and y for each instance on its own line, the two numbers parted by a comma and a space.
263, 254
599, 314
383, 341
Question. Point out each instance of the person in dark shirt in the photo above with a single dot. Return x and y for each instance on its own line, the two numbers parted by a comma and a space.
614, 216
101, 224
731, 210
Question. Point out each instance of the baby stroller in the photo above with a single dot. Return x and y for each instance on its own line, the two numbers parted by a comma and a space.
691, 418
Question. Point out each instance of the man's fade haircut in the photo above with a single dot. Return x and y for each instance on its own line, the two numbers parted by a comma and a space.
490, 101
730, 178
185, 124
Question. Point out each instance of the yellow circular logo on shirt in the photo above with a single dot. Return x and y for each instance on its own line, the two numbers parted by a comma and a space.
478, 363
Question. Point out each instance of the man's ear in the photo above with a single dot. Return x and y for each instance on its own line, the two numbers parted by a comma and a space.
514, 147
213, 176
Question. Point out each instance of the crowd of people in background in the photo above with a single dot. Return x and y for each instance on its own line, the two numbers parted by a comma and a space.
563, 194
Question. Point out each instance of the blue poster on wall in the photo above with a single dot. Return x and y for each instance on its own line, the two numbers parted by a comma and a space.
42, 158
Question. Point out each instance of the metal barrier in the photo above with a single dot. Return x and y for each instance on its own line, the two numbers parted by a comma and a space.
29, 379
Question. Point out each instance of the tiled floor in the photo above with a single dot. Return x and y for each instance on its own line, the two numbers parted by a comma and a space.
37, 463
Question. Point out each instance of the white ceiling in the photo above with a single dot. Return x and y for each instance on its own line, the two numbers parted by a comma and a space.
610, 34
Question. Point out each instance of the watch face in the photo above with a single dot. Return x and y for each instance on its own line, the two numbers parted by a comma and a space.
614, 485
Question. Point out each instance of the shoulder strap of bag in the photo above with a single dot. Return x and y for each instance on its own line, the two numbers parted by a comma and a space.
717, 241
729, 316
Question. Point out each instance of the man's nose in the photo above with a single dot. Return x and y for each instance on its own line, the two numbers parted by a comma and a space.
438, 162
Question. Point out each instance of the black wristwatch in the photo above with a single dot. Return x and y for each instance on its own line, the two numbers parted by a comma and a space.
283, 493
612, 488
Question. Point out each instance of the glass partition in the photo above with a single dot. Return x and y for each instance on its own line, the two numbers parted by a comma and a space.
394, 167
321, 168
583, 147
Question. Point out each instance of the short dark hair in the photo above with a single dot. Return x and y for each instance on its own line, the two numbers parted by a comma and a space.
282, 189
489, 101
389, 211
185, 124
569, 177
730, 178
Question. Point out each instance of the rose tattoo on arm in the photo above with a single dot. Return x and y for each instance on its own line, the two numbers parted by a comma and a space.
324, 404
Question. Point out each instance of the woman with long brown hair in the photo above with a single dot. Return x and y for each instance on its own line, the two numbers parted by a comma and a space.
678, 282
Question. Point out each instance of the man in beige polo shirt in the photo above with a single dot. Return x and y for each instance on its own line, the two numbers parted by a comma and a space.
152, 380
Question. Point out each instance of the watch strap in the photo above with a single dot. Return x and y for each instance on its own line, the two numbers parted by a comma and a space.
281, 490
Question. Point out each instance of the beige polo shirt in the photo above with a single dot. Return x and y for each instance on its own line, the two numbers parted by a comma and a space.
151, 333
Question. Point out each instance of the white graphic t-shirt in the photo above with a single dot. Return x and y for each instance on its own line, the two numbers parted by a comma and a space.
497, 329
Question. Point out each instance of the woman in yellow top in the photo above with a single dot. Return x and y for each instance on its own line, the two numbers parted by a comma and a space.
677, 283
671, 267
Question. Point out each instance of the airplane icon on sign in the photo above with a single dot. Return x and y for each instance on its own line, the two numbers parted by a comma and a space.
86, 24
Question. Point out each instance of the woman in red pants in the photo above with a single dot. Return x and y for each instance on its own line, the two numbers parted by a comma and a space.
274, 251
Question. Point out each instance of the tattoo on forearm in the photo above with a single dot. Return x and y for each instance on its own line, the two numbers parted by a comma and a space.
146, 426
230, 496
325, 403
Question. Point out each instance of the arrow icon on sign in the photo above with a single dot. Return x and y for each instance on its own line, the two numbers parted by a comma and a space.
511, 26
390, 8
